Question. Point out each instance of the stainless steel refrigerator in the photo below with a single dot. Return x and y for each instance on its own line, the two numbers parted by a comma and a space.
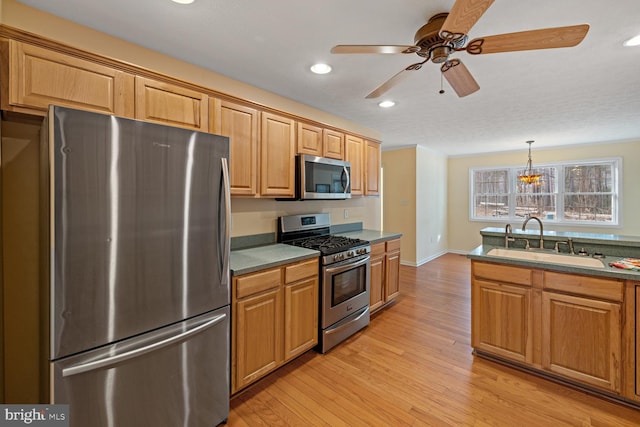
138, 273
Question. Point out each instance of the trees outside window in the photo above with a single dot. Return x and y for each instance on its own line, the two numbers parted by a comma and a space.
574, 193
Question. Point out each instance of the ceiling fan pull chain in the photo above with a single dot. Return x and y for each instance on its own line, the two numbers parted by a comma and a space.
441, 84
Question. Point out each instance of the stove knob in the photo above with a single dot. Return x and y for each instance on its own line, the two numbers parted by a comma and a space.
341, 256
336, 257
350, 253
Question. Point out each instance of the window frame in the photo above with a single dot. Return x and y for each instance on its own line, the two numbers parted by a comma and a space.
512, 173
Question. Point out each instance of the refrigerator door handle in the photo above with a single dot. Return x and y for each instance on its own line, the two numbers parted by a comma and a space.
112, 360
227, 222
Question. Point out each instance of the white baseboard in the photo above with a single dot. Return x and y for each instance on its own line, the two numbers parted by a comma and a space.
426, 260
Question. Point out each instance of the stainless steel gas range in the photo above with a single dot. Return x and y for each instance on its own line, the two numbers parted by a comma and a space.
344, 275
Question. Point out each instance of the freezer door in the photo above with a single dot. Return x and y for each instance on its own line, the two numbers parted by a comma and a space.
176, 376
139, 234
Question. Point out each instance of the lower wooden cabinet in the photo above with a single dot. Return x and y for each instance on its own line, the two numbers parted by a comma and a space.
502, 320
385, 273
274, 319
581, 339
569, 326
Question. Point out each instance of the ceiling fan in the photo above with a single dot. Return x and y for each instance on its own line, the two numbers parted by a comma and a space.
446, 33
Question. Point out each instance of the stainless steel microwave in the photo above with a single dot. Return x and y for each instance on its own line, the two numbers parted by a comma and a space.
320, 178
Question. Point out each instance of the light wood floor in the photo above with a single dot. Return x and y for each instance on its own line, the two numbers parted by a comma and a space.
413, 366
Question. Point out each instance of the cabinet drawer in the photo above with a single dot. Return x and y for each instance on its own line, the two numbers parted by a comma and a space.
378, 249
609, 289
393, 245
257, 282
502, 273
299, 271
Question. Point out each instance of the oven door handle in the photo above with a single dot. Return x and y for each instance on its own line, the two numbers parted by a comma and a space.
347, 266
347, 325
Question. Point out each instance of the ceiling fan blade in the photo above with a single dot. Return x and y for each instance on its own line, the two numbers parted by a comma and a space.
547, 38
459, 77
464, 14
394, 80
366, 48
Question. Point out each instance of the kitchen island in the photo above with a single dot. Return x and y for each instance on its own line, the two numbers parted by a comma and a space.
568, 322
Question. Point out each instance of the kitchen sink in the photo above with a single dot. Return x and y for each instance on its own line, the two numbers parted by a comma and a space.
551, 257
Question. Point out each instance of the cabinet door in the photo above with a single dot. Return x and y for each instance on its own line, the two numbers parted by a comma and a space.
309, 139
277, 156
378, 278
372, 169
392, 270
258, 334
39, 77
501, 320
300, 317
240, 124
333, 144
171, 105
581, 339
354, 150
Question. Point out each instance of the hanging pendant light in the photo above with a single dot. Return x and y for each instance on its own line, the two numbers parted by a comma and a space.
529, 177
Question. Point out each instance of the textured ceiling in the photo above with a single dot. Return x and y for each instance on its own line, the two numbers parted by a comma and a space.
585, 94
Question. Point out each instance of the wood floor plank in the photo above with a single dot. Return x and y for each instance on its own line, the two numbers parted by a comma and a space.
413, 366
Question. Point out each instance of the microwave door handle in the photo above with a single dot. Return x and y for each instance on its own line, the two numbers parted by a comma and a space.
349, 266
345, 172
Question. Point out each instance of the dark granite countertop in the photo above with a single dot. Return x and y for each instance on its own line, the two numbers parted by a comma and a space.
372, 236
245, 261
481, 254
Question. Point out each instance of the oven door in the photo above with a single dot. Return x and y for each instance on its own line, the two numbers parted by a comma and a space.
345, 289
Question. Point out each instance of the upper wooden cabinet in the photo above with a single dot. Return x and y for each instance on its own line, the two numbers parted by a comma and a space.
333, 144
277, 155
317, 141
170, 104
309, 139
371, 168
38, 77
354, 152
240, 124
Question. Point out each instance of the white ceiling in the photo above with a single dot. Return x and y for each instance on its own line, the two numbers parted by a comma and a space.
585, 94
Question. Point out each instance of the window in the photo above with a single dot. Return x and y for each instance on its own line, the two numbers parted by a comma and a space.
573, 193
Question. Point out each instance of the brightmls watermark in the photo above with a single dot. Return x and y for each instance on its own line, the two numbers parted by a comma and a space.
34, 415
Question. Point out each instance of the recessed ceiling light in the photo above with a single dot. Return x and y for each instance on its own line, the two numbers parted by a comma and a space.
633, 41
183, 1
386, 104
321, 68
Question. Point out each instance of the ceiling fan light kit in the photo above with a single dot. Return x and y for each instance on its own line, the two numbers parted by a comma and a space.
446, 33
529, 176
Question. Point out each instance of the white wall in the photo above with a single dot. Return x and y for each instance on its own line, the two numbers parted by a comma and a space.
464, 235
431, 204
415, 201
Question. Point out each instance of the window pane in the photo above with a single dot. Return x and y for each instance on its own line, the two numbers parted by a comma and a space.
540, 205
491, 182
547, 183
491, 206
588, 207
588, 179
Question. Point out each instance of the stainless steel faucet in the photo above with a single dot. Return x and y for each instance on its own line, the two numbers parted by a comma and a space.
524, 226
508, 235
